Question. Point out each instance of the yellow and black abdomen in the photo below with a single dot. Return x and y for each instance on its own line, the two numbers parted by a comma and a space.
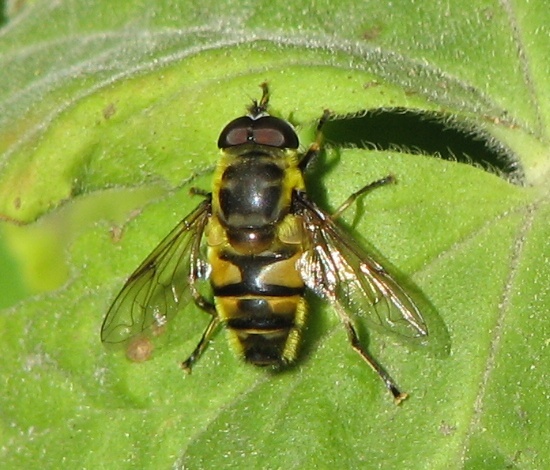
254, 243
260, 300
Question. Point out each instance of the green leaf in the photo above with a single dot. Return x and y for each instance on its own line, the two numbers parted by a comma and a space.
111, 114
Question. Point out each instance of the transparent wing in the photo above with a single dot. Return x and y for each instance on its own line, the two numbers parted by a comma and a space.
158, 288
337, 269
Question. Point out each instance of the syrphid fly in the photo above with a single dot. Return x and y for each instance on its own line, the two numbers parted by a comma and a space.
260, 242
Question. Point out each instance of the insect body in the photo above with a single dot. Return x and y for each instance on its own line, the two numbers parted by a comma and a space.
266, 242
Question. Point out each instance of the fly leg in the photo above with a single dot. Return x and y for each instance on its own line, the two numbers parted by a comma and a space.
198, 272
200, 192
209, 308
398, 396
316, 146
187, 365
204, 304
314, 150
390, 179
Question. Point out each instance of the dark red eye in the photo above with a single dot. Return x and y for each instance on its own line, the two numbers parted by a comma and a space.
235, 136
271, 137
266, 130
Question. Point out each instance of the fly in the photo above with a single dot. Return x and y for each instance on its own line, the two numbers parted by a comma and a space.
265, 242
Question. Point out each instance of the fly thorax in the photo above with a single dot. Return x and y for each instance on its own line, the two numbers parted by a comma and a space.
252, 194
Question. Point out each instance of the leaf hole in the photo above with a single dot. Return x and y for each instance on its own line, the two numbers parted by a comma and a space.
425, 133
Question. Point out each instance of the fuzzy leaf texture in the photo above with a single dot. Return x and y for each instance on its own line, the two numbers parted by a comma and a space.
111, 113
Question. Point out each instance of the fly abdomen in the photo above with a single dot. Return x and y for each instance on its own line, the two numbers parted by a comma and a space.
257, 315
260, 299
272, 274
266, 329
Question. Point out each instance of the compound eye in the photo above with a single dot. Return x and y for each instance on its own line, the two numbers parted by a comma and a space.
237, 132
265, 130
275, 132
271, 137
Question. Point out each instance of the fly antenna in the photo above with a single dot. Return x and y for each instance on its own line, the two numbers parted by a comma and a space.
260, 107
